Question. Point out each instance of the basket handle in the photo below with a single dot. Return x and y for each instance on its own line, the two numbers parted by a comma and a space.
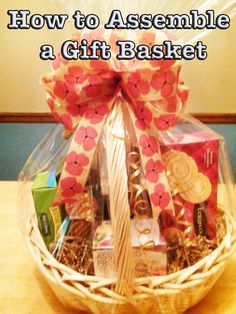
119, 205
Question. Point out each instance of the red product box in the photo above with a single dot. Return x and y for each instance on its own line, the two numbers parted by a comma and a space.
190, 155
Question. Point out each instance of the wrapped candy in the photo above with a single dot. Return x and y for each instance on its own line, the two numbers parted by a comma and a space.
138, 181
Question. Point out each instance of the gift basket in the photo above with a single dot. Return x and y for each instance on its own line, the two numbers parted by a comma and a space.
128, 201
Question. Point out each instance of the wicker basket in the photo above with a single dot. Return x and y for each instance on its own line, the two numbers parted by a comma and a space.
173, 293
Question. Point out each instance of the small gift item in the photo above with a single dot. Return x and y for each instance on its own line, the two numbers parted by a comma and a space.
190, 155
75, 250
137, 185
50, 217
74, 247
149, 249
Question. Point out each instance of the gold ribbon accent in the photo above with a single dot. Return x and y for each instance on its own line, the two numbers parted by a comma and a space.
189, 225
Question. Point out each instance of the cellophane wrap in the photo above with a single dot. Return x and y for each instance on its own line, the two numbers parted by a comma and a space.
127, 185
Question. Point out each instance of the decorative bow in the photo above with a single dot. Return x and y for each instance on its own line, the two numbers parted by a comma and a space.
82, 93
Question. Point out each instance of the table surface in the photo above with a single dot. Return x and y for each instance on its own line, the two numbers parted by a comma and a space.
24, 290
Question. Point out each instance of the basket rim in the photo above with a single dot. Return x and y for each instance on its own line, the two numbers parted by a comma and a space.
85, 290
230, 236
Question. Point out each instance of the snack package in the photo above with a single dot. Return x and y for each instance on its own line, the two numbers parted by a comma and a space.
190, 154
149, 249
50, 217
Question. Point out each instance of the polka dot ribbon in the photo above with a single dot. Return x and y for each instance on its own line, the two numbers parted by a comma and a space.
82, 93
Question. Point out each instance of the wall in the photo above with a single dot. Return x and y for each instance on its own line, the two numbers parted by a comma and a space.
212, 82
17, 141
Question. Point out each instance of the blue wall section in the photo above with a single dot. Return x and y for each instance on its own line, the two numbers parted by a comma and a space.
17, 141
229, 133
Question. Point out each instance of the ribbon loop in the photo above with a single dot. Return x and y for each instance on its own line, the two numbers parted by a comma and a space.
82, 93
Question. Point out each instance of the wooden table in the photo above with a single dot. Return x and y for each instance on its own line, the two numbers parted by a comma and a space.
24, 290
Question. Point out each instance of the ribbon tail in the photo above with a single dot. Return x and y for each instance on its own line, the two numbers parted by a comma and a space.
154, 172
78, 159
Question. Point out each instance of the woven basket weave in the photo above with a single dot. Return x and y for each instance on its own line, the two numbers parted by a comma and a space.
173, 293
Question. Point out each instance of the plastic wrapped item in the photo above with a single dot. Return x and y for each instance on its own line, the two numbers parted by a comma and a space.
84, 235
130, 205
